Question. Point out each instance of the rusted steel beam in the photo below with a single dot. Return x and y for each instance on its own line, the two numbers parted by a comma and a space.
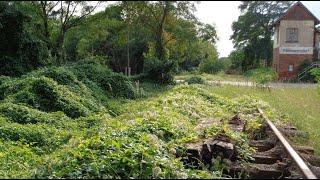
305, 170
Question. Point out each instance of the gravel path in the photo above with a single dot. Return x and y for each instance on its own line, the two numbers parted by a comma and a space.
252, 84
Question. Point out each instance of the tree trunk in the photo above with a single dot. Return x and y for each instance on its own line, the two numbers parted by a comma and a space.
44, 15
160, 46
160, 49
59, 49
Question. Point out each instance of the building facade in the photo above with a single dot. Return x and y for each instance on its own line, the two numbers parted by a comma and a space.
296, 39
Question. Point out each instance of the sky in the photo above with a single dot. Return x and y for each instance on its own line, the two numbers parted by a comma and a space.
222, 14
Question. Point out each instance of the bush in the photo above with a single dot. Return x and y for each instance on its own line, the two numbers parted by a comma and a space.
76, 90
262, 75
214, 66
35, 135
195, 80
25, 115
60, 74
316, 73
162, 73
159, 70
53, 97
115, 84
118, 85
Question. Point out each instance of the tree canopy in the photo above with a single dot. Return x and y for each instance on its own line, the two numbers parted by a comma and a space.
155, 38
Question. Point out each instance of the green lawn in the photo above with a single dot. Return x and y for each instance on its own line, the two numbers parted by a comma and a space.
300, 106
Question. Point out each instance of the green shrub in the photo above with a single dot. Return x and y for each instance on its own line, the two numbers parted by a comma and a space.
160, 71
261, 75
195, 80
25, 97
47, 95
118, 85
115, 84
214, 66
316, 73
24, 115
76, 90
89, 69
60, 74
52, 97
11, 86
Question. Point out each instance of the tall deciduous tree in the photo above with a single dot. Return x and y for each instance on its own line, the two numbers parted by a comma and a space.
252, 33
158, 15
69, 15
64, 15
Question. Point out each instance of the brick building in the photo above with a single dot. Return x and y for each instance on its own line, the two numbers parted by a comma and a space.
296, 39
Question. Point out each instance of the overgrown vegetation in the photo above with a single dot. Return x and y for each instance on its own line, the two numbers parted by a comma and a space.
63, 123
214, 65
261, 75
316, 74
67, 111
16, 36
195, 80
299, 106
124, 36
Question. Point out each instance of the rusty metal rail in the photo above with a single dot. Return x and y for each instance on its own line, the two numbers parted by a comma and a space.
305, 170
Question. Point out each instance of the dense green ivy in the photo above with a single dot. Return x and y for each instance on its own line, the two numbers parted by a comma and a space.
63, 122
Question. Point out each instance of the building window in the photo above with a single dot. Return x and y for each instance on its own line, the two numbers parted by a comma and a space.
290, 67
292, 35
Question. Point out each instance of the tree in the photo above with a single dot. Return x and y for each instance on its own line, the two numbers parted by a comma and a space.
158, 15
127, 27
252, 33
106, 34
63, 15
237, 58
207, 32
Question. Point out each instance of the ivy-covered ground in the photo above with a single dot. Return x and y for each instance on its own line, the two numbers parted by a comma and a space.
84, 121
